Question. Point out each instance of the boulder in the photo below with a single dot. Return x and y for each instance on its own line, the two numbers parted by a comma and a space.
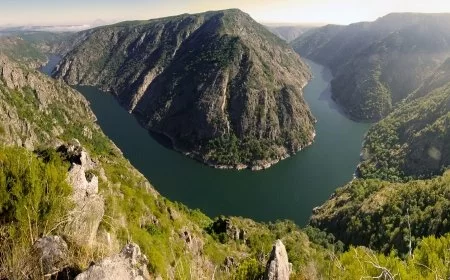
52, 254
130, 264
278, 266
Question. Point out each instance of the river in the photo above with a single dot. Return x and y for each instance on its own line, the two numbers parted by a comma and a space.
287, 190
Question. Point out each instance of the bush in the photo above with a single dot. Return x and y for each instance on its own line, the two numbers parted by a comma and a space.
249, 269
33, 202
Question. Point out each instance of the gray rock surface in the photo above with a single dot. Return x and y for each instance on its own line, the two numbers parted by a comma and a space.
89, 205
52, 254
130, 264
278, 266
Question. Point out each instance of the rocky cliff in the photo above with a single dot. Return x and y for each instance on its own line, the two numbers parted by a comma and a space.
35, 110
219, 85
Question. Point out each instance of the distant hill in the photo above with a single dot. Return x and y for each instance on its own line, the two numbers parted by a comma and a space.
218, 84
46, 28
289, 32
32, 47
377, 64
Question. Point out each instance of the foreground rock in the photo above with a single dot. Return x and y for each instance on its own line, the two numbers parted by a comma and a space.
130, 264
52, 254
278, 266
89, 205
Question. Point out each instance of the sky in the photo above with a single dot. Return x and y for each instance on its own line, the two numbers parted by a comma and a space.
50, 12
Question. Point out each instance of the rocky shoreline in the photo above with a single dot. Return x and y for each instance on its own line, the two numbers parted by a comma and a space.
263, 164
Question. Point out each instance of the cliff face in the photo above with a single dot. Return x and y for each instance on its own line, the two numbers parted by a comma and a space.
30, 101
218, 84
377, 64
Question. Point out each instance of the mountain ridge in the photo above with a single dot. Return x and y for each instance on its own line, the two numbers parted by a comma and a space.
223, 88
377, 64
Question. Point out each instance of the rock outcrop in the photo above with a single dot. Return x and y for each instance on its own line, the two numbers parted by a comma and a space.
130, 264
89, 205
218, 85
52, 254
278, 266
226, 226
35, 110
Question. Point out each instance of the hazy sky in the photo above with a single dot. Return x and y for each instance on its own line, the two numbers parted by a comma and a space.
287, 11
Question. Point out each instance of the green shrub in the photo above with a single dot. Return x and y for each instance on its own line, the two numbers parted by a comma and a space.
249, 269
33, 202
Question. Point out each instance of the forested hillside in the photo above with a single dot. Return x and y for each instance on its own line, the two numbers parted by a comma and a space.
378, 64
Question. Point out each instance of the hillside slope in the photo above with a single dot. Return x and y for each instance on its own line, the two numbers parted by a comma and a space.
376, 213
219, 85
377, 64
409, 150
32, 48
413, 141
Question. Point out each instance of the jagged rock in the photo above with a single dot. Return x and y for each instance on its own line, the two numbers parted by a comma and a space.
200, 267
87, 132
89, 205
173, 214
149, 220
229, 263
85, 219
48, 101
243, 234
225, 225
278, 266
193, 243
52, 253
129, 264
186, 236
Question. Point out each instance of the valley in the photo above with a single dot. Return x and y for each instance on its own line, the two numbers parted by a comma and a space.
201, 146
288, 190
